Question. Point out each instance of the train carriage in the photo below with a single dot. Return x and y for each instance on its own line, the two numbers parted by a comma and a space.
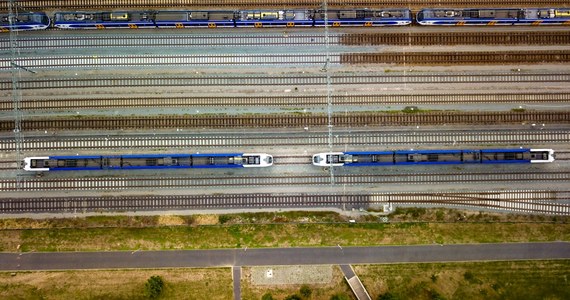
206, 18
103, 20
369, 158
274, 18
24, 21
428, 157
363, 17
433, 157
493, 16
147, 161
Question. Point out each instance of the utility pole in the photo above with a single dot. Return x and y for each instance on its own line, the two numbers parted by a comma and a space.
16, 93
329, 86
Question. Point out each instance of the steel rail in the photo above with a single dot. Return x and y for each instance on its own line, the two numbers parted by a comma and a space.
51, 142
284, 101
288, 120
527, 201
233, 60
279, 39
250, 181
371, 78
457, 57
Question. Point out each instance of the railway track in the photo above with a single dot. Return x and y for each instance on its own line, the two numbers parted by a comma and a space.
456, 38
256, 60
292, 160
159, 60
291, 39
541, 202
457, 57
240, 180
284, 100
287, 120
27, 83
341, 138
170, 41
93, 4
9, 165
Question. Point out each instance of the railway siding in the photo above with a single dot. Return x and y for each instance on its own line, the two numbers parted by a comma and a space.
288, 60
283, 80
395, 140
457, 38
458, 58
282, 100
289, 120
86, 40
526, 201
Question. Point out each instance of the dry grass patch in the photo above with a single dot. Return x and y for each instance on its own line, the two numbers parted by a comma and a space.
169, 220
10, 240
116, 284
24, 223
206, 220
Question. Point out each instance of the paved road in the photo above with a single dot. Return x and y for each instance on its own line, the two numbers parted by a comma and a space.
283, 256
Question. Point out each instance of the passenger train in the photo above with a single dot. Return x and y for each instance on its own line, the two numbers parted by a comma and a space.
253, 160
433, 157
24, 21
286, 18
229, 18
147, 161
497, 16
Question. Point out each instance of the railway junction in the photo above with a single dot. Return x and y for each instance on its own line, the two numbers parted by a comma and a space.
213, 129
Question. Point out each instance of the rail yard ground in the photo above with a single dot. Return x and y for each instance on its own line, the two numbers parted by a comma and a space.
287, 229
124, 91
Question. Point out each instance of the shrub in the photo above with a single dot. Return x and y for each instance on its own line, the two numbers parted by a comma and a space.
267, 296
387, 296
339, 296
154, 287
305, 291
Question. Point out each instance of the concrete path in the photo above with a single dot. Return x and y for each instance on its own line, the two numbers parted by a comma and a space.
236, 276
354, 282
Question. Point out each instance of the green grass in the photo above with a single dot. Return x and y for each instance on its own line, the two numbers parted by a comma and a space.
407, 226
281, 235
473, 280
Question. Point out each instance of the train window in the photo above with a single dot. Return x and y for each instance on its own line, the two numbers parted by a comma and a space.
70, 163
347, 14
451, 13
432, 157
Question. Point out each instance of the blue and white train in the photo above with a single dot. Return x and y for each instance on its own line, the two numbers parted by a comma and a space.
230, 18
24, 21
147, 161
433, 157
286, 18
494, 16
